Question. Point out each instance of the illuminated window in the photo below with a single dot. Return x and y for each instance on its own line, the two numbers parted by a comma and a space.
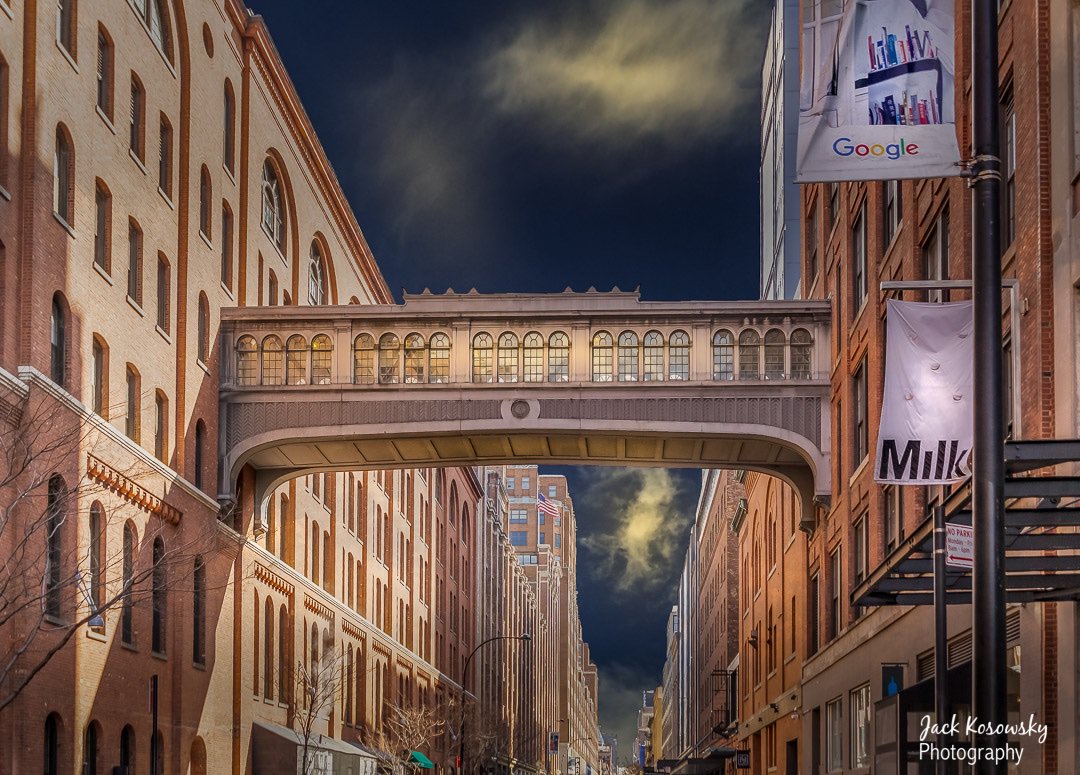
602, 357
482, 358
723, 356
628, 356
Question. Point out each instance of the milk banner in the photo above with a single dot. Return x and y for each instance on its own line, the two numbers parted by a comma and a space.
877, 96
927, 421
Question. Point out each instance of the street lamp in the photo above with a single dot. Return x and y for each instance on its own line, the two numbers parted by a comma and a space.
525, 637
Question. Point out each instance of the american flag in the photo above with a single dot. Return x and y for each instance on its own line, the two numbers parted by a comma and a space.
544, 506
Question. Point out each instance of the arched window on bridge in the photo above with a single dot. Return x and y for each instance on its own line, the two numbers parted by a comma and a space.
749, 355
508, 357
653, 353
271, 361
439, 358
774, 354
481, 358
415, 365
389, 357
558, 357
628, 357
602, 356
316, 276
296, 355
364, 359
801, 348
723, 355
533, 357
247, 361
679, 355
322, 359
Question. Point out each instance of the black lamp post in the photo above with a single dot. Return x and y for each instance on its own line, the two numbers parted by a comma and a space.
464, 675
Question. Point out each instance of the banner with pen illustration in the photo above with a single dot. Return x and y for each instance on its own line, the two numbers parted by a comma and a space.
877, 98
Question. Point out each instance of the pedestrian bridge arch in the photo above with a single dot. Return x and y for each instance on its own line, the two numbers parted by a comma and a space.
570, 378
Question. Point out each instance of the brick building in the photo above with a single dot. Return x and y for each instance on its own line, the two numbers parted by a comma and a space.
156, 167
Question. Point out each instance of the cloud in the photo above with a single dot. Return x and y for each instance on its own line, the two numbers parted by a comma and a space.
676, 71
640, 518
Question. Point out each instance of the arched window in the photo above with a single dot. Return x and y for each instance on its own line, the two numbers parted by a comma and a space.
364, 359
532, 351
802, 344
296, 352
158, 22
316, 537
481, 358
102, 226
204, 328
198, 610
247, 360
283, 654
226, 245
558, 357
628, 357
723, 355
268, 649
127, 749
58, 341
314, 653
602, 356
65, 25
749, 357
52, 744
127, 570
653, 356
347, 679
273, 215
508, 357
679, 356
96, 539
54, 522
158, 597
316, 276
200, 455
322, 358
64, 177
91, 739
272, 373
389, 359
206, 193
439, 358
414, 359
229, 140
137, 125
774, 354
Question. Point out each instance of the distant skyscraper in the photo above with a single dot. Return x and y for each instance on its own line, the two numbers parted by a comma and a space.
779, 125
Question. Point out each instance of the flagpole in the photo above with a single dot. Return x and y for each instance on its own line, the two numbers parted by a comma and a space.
987, 481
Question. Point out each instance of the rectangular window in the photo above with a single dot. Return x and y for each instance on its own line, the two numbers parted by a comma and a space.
858, 269
509, 482
161, 425
834, 204
102, 219
860, 397
558, 540
811, 247
519, 515
1008, 167
936, 255
131, 419
98, 392
553, 491
543, 538
834, 736
890, 220
894, 516
835, 611
526, 483
163, 294
519, 538
1008, 379
540, 518
165, 157
860, 727
134, 278
860, 548
65, 25
104, 75
138, 119
198, 634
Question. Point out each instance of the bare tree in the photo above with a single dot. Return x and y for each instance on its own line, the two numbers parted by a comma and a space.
53, 475
317, 687
414, 728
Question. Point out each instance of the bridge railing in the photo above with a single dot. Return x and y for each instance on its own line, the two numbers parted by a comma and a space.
342, 354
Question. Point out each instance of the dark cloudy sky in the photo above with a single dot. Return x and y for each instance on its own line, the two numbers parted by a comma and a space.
525, 145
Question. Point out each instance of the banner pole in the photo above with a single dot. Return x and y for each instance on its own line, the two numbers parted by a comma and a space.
941, 637
987, 481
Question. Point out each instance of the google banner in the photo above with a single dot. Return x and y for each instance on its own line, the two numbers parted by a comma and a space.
877, 96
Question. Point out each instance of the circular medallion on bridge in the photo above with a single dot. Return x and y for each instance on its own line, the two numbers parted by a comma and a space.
520, 409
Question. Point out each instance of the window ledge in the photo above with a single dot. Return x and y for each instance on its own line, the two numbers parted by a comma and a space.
66, 54
105, 118
135, 306
163, 334
96, 633
229, 172
129, 646
160, 655
205, 239
858, 470
789, 658
167, 198
104, 274
5, 193
203, 366
67, 226
228, 292
6, 9
199, 665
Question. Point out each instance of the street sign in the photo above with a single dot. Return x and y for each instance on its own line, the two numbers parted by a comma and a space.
742, 760
959, 546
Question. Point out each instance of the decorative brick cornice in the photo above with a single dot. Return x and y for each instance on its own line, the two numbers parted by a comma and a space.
131, 491
318, 608
351, 629
273, 580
